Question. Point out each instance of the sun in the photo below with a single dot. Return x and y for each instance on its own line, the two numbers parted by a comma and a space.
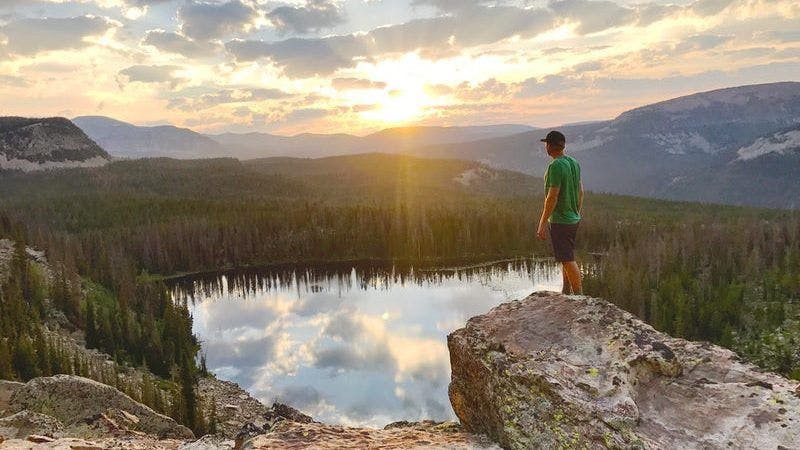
399, 107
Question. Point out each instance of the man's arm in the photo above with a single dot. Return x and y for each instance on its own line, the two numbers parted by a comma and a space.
580, 199
549, 205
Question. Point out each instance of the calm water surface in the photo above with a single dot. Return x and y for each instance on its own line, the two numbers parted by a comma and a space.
351, 345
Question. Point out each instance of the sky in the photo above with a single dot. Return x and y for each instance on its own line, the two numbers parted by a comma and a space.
357, 66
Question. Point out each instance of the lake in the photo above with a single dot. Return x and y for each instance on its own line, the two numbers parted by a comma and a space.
350, 344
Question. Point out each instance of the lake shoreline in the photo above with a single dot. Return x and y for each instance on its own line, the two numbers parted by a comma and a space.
439, 264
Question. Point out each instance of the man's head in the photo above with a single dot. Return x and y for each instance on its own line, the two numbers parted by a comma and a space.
555, 143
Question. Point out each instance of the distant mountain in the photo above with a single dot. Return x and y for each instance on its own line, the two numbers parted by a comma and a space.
33, 144
413, 137
391, 140
131, 141
394, 175
307, 145
679, 149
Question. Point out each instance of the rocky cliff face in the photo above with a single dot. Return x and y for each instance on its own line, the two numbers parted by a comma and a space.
552, 371
32, 144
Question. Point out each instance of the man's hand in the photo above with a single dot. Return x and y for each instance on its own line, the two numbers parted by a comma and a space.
542, 231
549, 205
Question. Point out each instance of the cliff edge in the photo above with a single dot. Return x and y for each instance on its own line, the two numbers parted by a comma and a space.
552, 371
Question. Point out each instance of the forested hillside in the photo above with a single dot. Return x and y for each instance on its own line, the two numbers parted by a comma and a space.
132, 319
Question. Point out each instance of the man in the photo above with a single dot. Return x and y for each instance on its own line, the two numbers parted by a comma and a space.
562, 208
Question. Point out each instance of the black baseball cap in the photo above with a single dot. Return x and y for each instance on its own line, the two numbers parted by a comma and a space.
555, 137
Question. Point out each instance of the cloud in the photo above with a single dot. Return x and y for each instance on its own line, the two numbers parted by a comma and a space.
343, 84
247, 355
226, 96
490, 89
751, 52
204, 21
589, 66
315, 15
343, 358
653, 12
145, 2
788, 53
321, 303
302, 57
13, 81
306, 57
305, 115
550, 84
7, 4
594, 16
151, 74
451, 5
701, 42
302, 397
783, 36
171, 42
31, 36
710, 7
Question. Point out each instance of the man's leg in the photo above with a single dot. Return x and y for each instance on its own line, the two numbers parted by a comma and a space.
567, 289
573, 273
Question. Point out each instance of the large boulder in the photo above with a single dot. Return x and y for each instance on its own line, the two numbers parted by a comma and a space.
552, 371
74, 400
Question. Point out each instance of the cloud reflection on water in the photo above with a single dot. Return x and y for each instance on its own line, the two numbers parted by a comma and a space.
363, 346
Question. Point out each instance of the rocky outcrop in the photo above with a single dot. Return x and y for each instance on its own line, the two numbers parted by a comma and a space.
88, 407
290, 435
552, 371
288, 428
32, 144
233, 406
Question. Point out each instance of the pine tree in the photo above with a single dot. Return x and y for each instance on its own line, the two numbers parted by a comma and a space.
25, 364
92, 338
188, 380
6, 370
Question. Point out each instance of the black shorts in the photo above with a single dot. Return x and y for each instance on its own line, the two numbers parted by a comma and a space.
562, 236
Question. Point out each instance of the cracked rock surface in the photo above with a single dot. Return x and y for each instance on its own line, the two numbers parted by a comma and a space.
555, 371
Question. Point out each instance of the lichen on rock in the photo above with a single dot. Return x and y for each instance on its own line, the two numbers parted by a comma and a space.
554, 371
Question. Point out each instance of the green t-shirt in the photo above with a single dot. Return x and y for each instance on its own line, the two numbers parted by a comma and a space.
565, 174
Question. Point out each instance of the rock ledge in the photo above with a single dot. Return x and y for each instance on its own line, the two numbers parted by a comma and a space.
552, 371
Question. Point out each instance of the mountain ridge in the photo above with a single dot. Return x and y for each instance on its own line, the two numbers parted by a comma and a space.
649, 151
133, 141
42, 143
